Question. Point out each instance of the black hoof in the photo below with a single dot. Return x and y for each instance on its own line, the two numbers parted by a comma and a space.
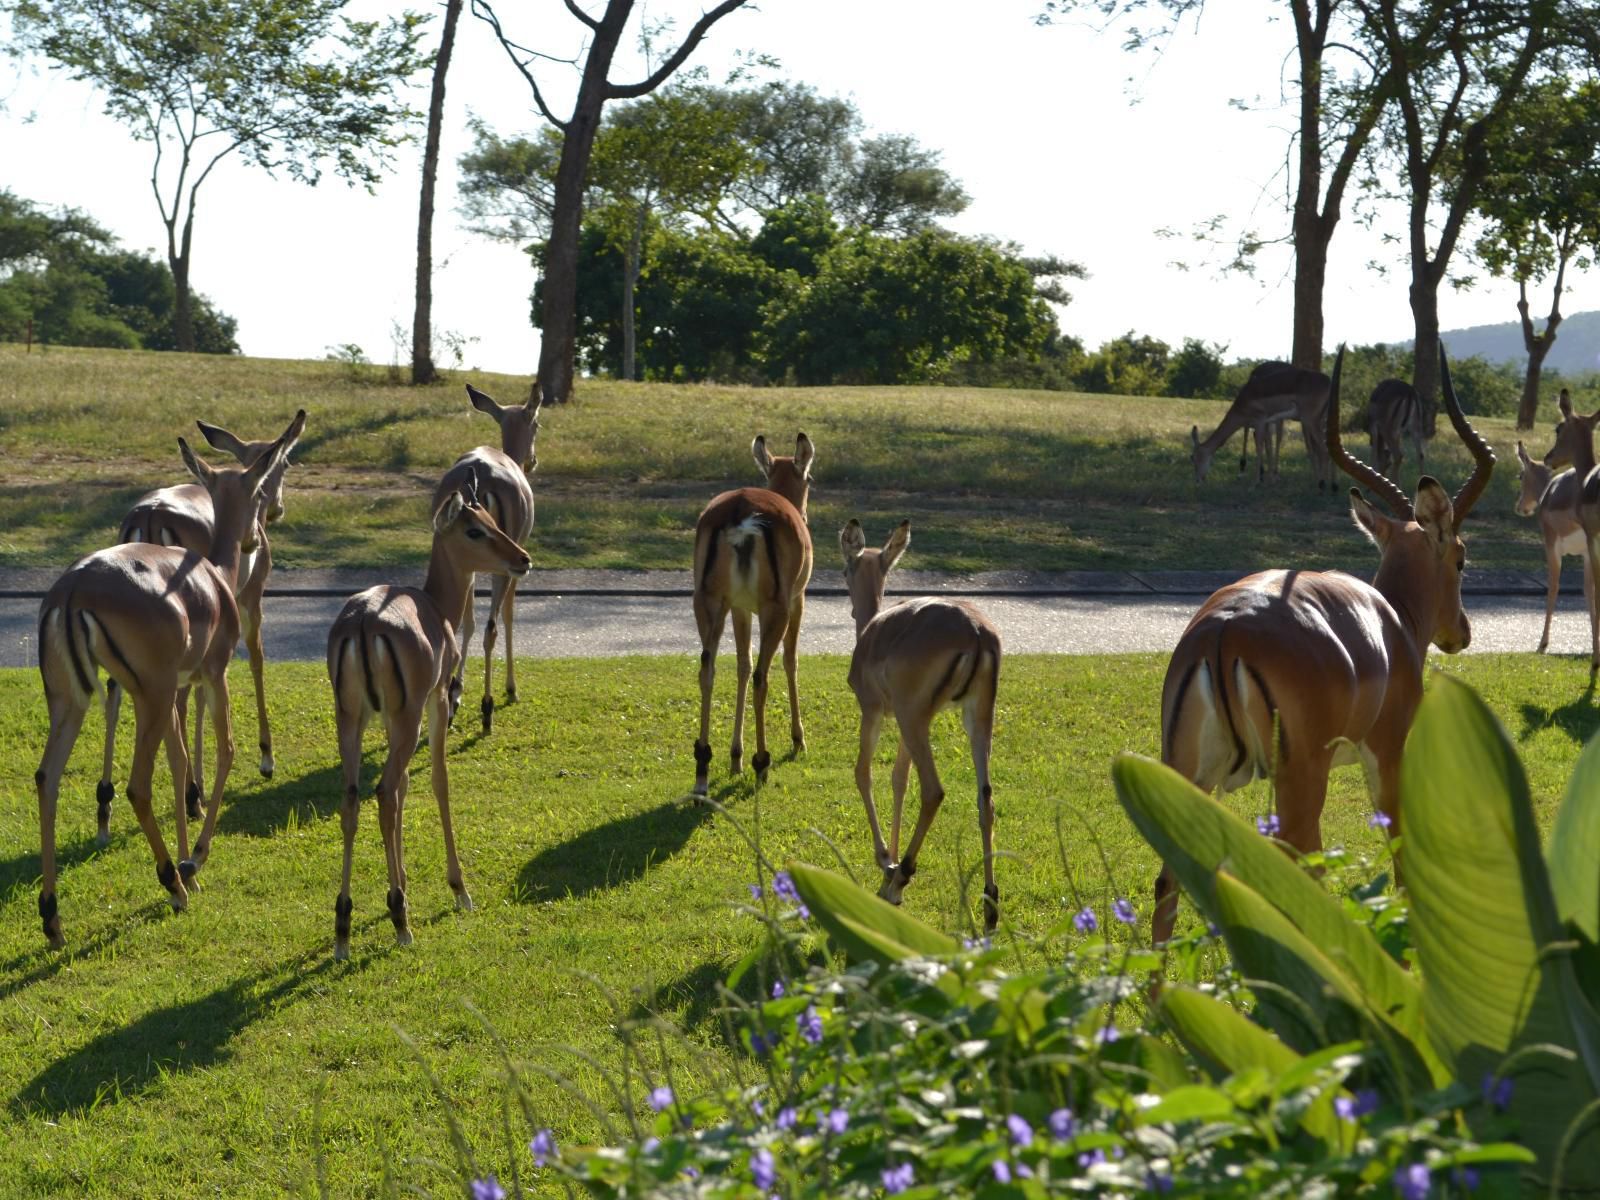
397, 909
487, 708
341, 917
991, 908
105, 791
167, 874
51, 919
191, 802
760, 763
188, 868
511, 695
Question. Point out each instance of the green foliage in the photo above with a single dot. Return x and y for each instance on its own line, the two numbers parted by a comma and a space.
1130, 365
1195, 370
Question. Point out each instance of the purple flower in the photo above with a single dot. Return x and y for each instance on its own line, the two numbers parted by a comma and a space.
1086, 921
543, 1147
835, 1120
1021, 1131
897, 1179
763, 1170
1002, 1170
661, 1098
758, 1108
787, 1118
810, 1026
783, 887
1123, 911
1157, 1181
977, 943
1380, 820
777, 989
488, 1189
1268, 826
650, 1145
1106, 1034
1413, 1182
691, 1172
1353, 1108
803, 913
1497, 1092
758, 1045
1022, 1170
1466, 1178
755, 891
1090, 1157
1062, 1124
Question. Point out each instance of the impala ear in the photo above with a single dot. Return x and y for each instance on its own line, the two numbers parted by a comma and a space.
763, 456
198, 467
852, 542
221, 439
276, 456
448, 511
485, 403
1194, 437
1370, 521
1434, 511
1564, 403
297, 426
804, 454
896, 545
1522, 453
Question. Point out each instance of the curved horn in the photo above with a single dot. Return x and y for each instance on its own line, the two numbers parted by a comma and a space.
1482, 455
1354, 467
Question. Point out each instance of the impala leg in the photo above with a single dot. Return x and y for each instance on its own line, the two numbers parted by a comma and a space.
871, 727
508, 614
250, 621
67, 711
351, 727
1593, 572
774, 622
438, 718
1302, 787
215, 691
709, 617
741, 649
899, 778
195, 754
978, 717
153, 717
497, 586
402, 745
463, 641
914, 733
791, 668
106, 789
1165, 913
178, 764
1552, 566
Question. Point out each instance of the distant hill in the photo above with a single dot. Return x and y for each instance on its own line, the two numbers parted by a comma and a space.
1576, 352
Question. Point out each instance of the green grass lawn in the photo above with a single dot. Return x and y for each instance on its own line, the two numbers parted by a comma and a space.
990, 478
191, 1055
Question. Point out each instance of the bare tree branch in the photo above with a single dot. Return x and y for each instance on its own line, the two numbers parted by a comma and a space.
664, 72
572, 7
482, 10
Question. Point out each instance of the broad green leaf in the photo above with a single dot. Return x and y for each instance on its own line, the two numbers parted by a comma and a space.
1196, 836
1313, 1001
1574, 853
1479, 897
1192, 1102
864, 925
1230, 1043
1160, 1067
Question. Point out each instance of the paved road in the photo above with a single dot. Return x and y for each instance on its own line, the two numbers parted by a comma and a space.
603, 626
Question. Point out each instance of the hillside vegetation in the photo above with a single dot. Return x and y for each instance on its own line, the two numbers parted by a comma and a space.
990, 478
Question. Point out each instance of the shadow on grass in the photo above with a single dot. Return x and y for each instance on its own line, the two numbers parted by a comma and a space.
320, 435
167, 1041
265, 813
1579, 720
47, 962
694, 1000
614, 853
23, 871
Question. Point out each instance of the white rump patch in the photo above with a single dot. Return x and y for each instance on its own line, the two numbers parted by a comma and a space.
743, 584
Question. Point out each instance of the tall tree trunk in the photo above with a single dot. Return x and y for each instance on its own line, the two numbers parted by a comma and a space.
1310, 241
630, 280
1538, 345
1425, 317
422, 367
182, 305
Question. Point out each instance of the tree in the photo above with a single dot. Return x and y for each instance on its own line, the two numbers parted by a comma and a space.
422, 368
1541, 206
894, 185
286, 84
799, 139
559, 317
1336, 118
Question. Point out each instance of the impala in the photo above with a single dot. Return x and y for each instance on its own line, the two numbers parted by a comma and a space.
392, 651
183, 516
154, 618
501, 477
914, 659
1554, 497
1274, 392
752, 556
1395, 412
1288, 673
1575, 445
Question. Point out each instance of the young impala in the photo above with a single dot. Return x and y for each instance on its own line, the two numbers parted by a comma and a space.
392, 651
1554, 497
914, 659
154, 618
182, 516
752, 555
502, 479
1281, 674
1274, 392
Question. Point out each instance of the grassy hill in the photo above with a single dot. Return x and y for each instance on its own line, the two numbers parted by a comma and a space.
1576, 352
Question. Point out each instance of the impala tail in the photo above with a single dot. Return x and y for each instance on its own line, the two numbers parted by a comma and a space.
1219, 722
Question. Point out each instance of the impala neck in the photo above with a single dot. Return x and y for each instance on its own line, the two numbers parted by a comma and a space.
447, 585
1583, 455
227, 532
1415, 605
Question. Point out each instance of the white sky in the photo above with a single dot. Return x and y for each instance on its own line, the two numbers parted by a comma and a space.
1041, 125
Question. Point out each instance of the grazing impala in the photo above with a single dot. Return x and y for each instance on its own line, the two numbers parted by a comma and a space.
1575, 445
752, 555
502, 479
182, 516
1274, 392
914, 659
154, 618
1554, 497
392, 651
1284, 673
1395, 412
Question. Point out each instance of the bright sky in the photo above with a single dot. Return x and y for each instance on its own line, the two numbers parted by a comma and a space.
1059, 150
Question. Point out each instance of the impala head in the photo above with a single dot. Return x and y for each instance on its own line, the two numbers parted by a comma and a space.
789, 476
1574, 435
250, 453
866, 571
519, 426
1423, 554
1535, 478
465, 531
1199, 455
238, 494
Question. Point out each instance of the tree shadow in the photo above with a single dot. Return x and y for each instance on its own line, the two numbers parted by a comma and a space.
266, 813
22, 871
1578, 719
179, 1038
371, 422
611, 854
694, 1001
48, 962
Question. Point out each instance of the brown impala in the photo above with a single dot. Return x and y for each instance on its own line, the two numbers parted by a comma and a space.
154, 618
912, 660
1575, 446
1553, 496
1282, 673
182, 516
752, 555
